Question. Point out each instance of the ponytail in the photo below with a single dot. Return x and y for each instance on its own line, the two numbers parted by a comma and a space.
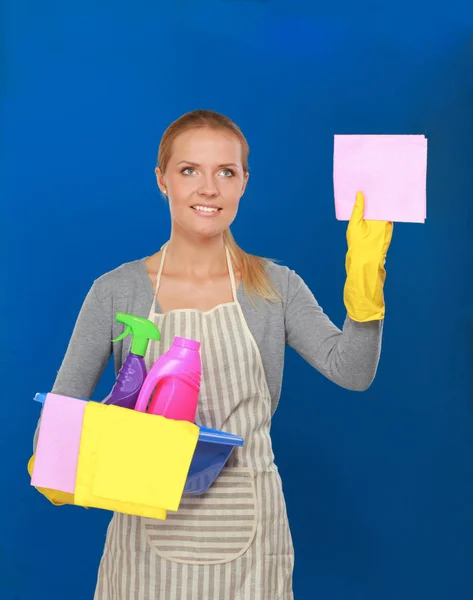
254, 276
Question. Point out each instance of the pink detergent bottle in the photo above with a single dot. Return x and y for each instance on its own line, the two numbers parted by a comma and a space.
174, 383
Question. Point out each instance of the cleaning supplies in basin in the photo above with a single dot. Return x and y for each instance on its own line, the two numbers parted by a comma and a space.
133, 371
171, 388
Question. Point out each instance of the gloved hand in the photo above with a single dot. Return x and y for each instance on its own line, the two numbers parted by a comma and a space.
368, 243
57, 498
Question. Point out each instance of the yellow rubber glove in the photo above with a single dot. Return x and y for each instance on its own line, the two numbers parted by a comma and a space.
368, 243
57, 498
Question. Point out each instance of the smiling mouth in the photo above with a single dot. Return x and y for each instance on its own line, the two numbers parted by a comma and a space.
206, 210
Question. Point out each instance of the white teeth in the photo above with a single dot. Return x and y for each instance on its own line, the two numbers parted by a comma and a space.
205, 208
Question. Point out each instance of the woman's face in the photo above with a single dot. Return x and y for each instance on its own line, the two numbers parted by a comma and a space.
204, 180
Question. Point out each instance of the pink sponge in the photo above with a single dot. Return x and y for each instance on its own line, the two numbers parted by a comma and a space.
57, 452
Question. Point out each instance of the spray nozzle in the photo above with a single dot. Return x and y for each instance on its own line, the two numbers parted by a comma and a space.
141, 329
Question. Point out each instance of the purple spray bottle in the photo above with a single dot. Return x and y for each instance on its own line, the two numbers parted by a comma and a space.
133, 371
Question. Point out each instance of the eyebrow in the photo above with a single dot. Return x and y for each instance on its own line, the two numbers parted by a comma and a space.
193, 164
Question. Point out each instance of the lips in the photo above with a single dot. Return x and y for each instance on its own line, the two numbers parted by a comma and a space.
206, 209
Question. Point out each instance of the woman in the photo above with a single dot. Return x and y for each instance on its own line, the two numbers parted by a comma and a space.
233, 542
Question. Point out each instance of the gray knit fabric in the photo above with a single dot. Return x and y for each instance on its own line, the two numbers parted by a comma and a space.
348, 357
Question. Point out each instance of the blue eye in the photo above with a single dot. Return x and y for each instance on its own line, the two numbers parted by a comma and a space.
191, 171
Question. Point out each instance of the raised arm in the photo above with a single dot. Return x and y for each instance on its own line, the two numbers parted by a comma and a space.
348, 357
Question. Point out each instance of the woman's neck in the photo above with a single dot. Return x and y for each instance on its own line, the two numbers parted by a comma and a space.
197, 257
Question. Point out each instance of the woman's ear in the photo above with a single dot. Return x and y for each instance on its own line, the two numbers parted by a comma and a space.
245, 181
160, 180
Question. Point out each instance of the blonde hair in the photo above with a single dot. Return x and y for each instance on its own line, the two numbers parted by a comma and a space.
254, 276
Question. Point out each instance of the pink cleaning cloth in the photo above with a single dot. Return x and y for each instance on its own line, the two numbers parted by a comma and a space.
57, 451
390, 171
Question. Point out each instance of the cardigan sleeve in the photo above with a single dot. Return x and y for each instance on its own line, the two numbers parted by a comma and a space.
348, 357
88, 350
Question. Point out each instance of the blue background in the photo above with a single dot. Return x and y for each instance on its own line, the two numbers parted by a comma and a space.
379, 485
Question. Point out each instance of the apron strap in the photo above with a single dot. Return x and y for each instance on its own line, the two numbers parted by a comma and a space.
229, 265
232, 275
160, 271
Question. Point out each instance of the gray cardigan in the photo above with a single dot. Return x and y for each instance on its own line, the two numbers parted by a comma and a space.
348, 357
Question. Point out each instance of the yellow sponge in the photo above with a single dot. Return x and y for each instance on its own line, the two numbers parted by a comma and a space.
133, 462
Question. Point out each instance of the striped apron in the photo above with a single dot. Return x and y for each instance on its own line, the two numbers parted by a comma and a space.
232, 542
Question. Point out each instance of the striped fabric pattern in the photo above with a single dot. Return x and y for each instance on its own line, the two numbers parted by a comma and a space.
211, 530
233, 542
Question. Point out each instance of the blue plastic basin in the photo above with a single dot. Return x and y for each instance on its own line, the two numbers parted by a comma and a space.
212, 452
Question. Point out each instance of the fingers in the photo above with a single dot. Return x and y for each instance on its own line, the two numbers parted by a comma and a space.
378, 231
388, 233
359, 209
30, 465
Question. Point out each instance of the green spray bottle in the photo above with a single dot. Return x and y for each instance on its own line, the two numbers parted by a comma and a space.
133, 371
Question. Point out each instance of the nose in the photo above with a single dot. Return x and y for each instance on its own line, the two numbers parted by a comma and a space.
208, 188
